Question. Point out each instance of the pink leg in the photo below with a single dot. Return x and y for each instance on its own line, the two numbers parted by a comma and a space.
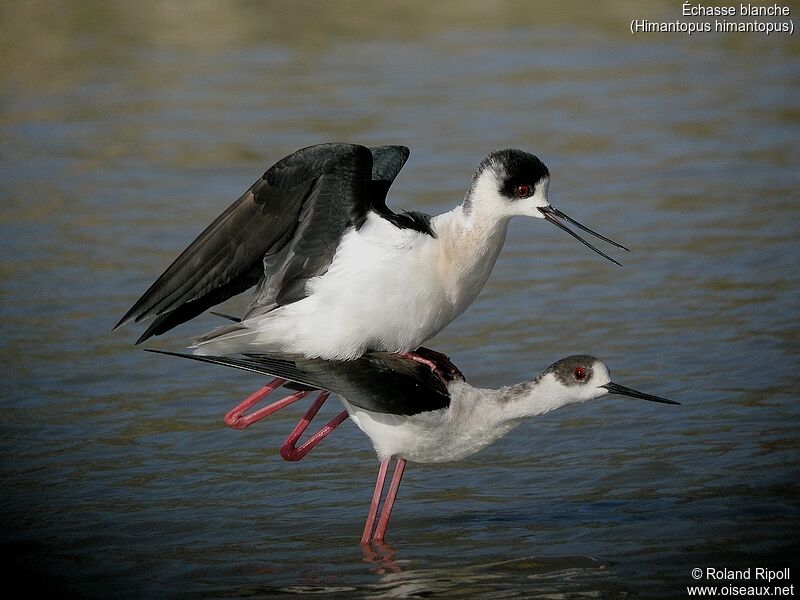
238, 420
436, 362
383, 558
289, 451
383, 522
420, 359
235, 417
443, 363
376, 500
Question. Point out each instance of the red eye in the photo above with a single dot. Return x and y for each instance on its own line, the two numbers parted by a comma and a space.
523, 191
579, 373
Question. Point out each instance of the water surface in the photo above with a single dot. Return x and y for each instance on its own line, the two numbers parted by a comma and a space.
123, 132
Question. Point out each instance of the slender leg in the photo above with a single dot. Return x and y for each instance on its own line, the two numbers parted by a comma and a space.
436, 361
238, 420
420, 359
376, 500
443, 363
289, 451
382, 557
383, 522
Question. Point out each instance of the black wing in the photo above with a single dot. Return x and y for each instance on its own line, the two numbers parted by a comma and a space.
388, 160
378, 381
281, 232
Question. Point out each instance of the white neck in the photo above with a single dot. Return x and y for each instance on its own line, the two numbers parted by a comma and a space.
469, 244
533, 398
478, 417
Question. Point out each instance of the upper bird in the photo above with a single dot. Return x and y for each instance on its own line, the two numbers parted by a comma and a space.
337, 273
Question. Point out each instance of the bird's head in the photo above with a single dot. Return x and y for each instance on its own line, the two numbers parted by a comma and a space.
580, 378
512, 183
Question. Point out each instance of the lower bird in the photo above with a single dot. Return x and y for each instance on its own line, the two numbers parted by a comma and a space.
413, 412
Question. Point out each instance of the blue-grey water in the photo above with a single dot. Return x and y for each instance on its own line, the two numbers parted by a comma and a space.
125, 128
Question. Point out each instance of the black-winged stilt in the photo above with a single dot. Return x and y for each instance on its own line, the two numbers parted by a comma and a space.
338, 274
412, 412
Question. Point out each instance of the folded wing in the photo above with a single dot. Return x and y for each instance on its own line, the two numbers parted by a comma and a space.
379, 382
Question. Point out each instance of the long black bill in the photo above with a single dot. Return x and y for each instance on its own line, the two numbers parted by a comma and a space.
550, 213
615, 388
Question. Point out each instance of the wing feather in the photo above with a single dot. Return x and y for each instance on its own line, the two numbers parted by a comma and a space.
378, 382
301, 205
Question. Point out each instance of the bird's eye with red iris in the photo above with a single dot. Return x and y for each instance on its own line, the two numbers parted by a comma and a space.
523, 191
579, 373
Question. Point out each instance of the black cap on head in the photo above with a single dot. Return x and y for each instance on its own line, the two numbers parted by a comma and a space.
515, 167
573, 370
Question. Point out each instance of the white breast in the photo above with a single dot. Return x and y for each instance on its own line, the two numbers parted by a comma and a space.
381, 292
387, 289
467, 426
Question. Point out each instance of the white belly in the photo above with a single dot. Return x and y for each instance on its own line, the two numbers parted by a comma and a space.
387, 289
437, 436
372, 298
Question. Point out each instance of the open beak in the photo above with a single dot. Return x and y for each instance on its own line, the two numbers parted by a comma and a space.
550, 213
615, 388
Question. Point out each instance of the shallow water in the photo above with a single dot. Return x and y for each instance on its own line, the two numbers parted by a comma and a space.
124, 132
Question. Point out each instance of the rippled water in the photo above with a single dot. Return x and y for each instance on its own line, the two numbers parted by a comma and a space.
124, 131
